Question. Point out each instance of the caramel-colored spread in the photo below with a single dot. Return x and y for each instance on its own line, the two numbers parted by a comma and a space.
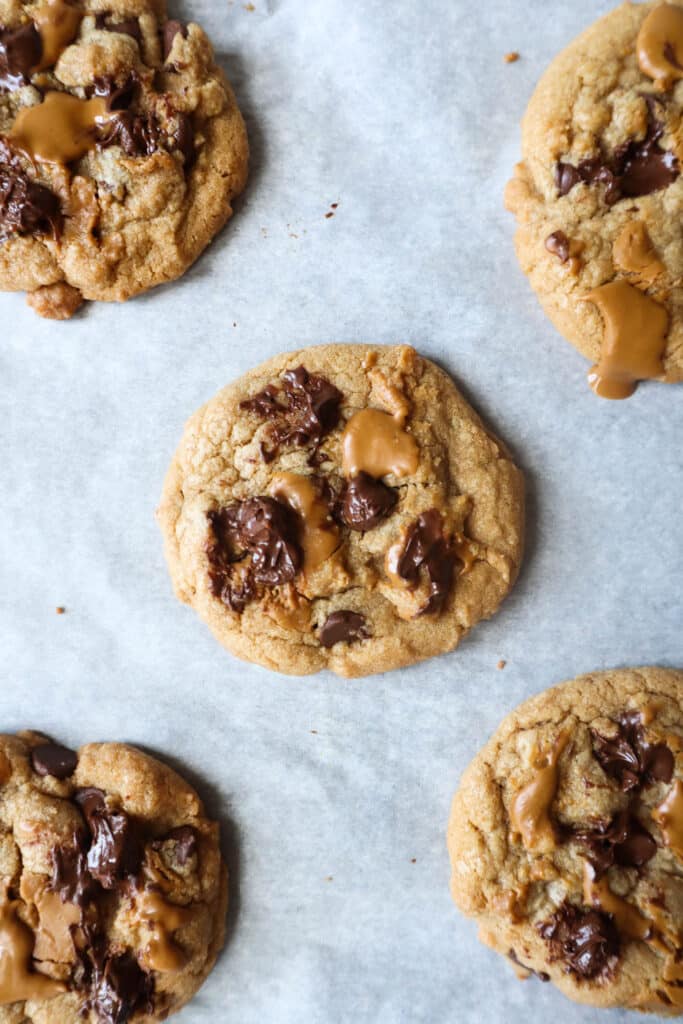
392, 398
466, 551
660, 45
669, 817
375, 442
53, 939
162, 953
634, 253
320, 537
18, 981
288, 608
634, 340
58, 24
530, 811
60, 129
629, 920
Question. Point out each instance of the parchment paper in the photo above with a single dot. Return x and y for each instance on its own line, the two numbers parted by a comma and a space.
334, 795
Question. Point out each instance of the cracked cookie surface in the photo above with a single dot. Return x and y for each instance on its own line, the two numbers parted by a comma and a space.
341, 507
121, 149
112, 889
566, 839
599, 193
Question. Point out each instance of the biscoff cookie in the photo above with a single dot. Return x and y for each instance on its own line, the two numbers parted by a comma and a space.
566, 839
341, 507
598, 196
112, 889
121, 149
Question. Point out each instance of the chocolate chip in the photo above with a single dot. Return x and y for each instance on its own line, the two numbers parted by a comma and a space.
136, 134
366, 502
342, 627
53, 759
183, 137
129, 27
184, 840
629, 758
558, 245
586, 940
426, 549
566, 176
622, 841
636, 168
26, 208
120, 989
71, 876
170, 31
304, 409
266, 531
115, 851
21, 50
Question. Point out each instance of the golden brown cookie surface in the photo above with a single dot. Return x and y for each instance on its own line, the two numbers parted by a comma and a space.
598, 193
121, 149
341, 507
112, 889
566, 839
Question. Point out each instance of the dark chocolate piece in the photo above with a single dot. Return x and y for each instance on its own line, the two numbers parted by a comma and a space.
342, 627
365, 502
55, 760
586, 940
427, 549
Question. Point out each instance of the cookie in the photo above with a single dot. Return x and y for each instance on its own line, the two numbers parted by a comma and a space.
112, 889
599, 194
566, 839
121, 149
341, 507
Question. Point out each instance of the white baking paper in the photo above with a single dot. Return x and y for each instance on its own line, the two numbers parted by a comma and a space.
334, 795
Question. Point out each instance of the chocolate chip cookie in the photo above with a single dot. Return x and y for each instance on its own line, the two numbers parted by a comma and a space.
566, 839
112, 889
121, 149
599, 195
341, 507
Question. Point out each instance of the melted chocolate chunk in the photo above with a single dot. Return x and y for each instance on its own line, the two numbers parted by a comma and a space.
115, 851
342, 627
558, 245
136, 134
71, 876
55, 760
118, 97
129, 27
266, 531
623, 841
183, 137
629, 758
365, 503
637, 168
119, 988
184, 840
586, 940
427, 549
171, 30
21, 49
26, 208
304, 409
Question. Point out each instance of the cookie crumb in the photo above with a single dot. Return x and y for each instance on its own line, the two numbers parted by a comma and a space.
55, 301
249, 7
60, 610
413, 860
328, 215
511, 57
329, 878
501, 664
